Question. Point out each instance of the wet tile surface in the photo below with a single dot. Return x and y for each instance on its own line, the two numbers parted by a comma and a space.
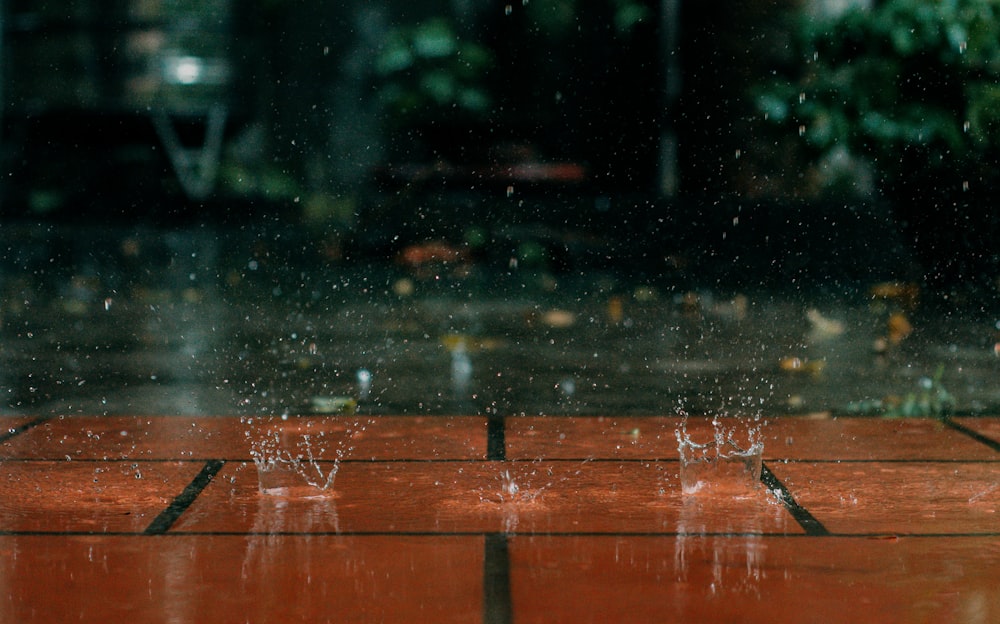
840, 439
904, 498
460, 497
11, 426
797, 438
208, 579
989, 428
184, 437
579, 438
461, 519
754, 579
102, 496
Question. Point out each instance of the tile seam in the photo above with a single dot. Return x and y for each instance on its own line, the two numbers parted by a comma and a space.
163, 522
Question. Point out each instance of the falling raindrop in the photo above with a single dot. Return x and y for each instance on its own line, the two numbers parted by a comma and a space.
507, 10
567, 386
364, 377
461, 369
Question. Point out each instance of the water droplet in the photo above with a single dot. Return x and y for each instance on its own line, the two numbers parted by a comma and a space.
567, 386
507, 10
364, 377
461, 369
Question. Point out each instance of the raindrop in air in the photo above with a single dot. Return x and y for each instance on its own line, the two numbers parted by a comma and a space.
507, 10
461, 369
364, 378
567, 386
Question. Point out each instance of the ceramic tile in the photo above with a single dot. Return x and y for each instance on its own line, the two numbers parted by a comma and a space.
444, 497
752, 579
88, 496
183, 437
262, 579
533, 437
897, 498
868, 439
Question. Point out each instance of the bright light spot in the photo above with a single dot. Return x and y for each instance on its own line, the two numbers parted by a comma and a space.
184, 69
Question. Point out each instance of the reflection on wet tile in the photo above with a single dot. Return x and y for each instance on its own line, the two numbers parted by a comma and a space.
99, 496
183, 437
271, 578
897, 498
753, 579
460, 497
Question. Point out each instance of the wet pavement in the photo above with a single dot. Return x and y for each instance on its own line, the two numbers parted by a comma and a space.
230, 320
500, 428
152, 519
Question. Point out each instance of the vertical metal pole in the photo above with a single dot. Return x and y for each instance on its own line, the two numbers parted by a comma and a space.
670, 51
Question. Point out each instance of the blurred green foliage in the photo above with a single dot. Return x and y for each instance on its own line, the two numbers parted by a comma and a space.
932, 400
558, 18
427, 72
913, 86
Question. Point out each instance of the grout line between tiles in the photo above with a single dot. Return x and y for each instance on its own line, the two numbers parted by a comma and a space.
975, 435
162, 523
806, 520
496, 438
497, 606
25, 427
544, 534
474, 460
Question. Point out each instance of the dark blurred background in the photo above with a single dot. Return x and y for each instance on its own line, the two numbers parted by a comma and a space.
551, 206
379, 124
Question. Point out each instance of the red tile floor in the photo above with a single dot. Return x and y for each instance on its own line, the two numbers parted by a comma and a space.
160, 519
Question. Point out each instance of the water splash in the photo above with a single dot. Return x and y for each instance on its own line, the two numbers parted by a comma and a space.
297, 456
728, 460
519, 485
